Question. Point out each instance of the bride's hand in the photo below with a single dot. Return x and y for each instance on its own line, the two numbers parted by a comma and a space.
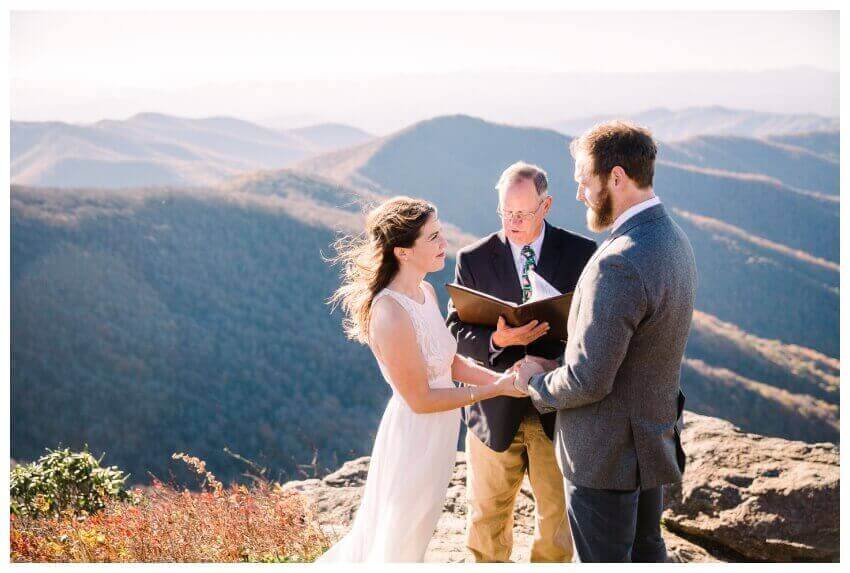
527, 369
507, 386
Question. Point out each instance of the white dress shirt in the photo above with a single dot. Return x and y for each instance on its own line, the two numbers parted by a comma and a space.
519, 261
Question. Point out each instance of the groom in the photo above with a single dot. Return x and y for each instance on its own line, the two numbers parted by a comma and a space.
617, 395
506, 437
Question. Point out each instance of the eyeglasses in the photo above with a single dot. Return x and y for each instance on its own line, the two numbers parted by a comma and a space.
521, 216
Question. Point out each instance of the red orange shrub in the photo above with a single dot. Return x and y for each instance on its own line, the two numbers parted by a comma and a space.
218, 524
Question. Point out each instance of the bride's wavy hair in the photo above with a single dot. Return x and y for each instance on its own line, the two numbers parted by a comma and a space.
368, 261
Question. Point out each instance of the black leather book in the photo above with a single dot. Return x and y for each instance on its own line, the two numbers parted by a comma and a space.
475, 307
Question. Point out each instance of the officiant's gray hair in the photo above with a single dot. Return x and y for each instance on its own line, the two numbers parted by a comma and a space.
520, 171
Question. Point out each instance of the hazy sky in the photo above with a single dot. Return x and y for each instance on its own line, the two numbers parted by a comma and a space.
175, 49
62, 61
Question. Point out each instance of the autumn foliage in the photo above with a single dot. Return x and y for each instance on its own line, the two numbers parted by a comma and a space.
164, 524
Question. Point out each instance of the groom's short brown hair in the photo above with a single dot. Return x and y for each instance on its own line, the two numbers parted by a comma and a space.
619, 143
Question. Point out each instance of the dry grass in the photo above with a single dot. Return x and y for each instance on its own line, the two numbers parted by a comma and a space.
219, 524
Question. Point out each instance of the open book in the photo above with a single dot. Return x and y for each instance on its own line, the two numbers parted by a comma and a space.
545, 305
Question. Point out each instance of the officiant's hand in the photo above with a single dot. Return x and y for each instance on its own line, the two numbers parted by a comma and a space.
519, 336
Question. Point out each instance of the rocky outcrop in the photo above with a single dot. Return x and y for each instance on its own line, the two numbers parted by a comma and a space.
744, 497
764, 498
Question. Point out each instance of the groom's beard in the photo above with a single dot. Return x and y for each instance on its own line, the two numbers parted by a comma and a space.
602, 217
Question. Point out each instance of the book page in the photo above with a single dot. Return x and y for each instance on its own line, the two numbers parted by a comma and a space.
540, 288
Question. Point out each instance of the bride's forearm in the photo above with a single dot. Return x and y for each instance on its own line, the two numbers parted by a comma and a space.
444, 399
468, 372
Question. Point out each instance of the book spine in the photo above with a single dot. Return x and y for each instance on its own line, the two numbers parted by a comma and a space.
522, 315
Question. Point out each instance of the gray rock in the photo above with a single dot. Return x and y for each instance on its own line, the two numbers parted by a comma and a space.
743, 496
764, 498
352, 473
335, 500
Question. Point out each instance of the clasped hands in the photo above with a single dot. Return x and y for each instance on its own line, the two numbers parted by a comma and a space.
525, 369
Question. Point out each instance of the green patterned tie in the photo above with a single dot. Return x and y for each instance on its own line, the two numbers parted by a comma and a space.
529, 264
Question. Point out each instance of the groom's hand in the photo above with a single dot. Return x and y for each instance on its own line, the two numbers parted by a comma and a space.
519, 336
525, 369
546, 364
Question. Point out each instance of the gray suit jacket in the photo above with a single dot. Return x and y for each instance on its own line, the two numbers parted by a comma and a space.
617, 395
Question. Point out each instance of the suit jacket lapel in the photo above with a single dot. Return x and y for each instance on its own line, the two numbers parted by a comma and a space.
590, 261
596, 253
503, 262
549, 256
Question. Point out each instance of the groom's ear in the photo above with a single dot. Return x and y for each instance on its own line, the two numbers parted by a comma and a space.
618, 176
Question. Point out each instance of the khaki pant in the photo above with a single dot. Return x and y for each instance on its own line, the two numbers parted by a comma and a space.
493, 480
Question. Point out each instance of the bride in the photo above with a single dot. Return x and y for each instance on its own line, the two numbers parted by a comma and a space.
389, 306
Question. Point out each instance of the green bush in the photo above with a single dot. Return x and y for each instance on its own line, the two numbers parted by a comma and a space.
62, 479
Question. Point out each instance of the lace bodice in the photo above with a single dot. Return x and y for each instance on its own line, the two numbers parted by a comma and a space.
436, 342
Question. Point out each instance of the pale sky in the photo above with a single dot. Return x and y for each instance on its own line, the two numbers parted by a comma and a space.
159, 49
89, 56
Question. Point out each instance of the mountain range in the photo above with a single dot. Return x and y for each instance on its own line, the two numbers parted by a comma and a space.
672, 125
151, 149
147, 321
155, 149
385, 103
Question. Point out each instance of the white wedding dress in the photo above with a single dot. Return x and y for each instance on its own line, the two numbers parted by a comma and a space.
412, 459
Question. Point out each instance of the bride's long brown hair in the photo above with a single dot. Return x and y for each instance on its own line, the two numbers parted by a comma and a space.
368, 261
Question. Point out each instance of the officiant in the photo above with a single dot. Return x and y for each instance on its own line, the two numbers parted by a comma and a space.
506, 437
